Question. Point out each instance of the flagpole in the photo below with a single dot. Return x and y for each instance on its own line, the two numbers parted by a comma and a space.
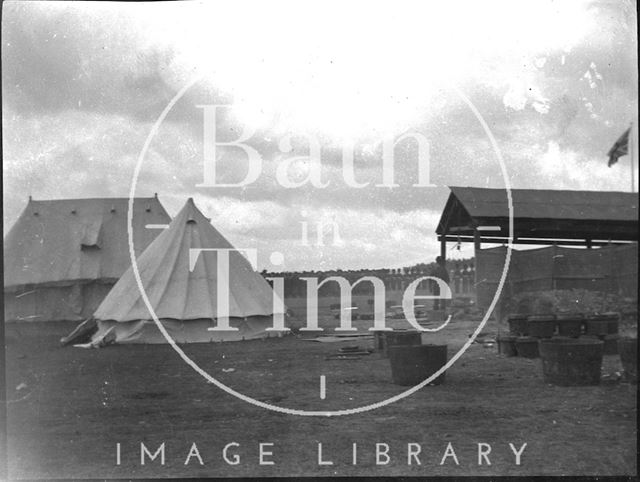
631, 149
633, 177
633, 152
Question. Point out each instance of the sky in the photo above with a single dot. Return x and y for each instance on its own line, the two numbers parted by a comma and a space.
83, 84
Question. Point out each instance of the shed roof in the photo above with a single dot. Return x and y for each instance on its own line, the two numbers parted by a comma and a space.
542, 213
65, 241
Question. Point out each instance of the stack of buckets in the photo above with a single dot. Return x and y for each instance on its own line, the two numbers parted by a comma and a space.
411, 361
571, 345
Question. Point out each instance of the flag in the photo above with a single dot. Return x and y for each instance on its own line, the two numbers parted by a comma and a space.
620, 148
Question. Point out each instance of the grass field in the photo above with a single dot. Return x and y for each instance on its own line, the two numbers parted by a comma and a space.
74, 405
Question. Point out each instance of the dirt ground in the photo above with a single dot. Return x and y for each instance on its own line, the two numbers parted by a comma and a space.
69, 407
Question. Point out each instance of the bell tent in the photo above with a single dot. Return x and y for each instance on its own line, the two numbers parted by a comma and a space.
181, 276
62, 257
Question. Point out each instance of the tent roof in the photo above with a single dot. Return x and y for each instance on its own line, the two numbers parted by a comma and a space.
542, 213
65, 241
178, 292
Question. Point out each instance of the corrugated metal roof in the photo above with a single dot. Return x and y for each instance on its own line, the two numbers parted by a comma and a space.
549, 204
69, 240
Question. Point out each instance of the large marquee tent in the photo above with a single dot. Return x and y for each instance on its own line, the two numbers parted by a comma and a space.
62, 257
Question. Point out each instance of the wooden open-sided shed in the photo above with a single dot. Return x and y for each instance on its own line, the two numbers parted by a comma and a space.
540, 217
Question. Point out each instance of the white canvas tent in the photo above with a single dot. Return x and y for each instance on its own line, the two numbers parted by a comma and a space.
62, 257
184, 295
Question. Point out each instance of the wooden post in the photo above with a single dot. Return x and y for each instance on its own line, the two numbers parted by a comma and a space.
553, 267
477, 240
477, 243
443, 247
589, 245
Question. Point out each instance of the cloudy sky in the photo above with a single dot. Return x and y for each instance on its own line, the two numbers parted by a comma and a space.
83, 84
